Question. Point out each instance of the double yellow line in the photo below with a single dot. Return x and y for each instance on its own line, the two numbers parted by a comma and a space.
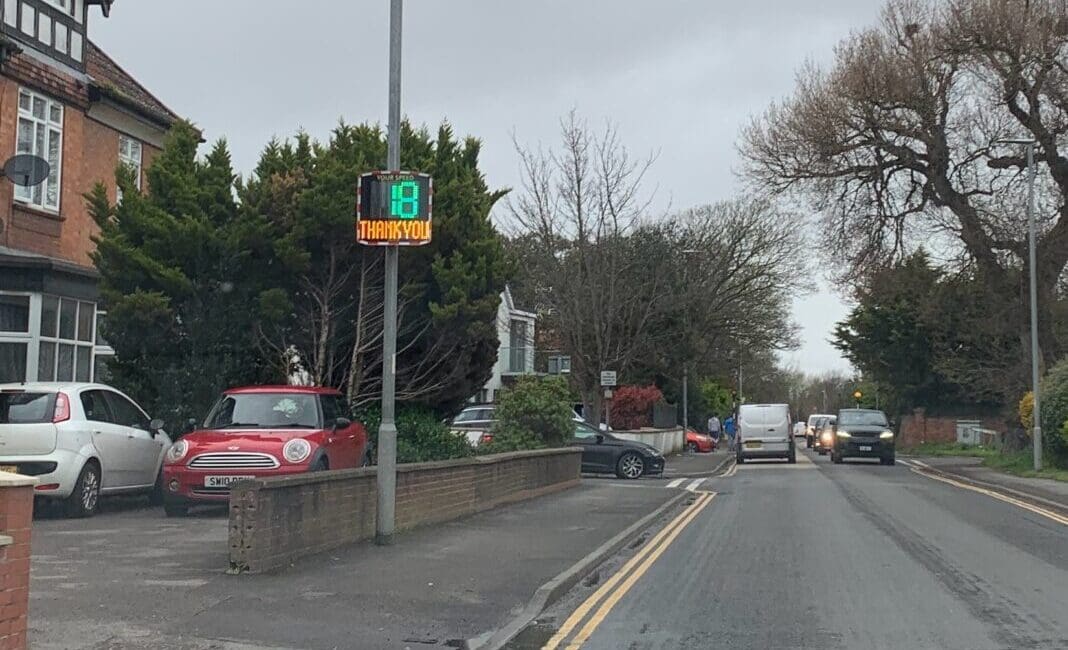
606, 597
1048, 514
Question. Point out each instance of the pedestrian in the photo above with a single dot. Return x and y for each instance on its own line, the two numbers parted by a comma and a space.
714, 430
728, 428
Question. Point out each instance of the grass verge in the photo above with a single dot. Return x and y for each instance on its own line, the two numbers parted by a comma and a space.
951, 449
1022, 464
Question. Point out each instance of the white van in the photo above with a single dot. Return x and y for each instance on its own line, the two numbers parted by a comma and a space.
764, 432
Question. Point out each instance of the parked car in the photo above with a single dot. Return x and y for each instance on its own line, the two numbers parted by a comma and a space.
699, 442
813, 427
863, 433
604, 453
475, 423
80, 441
764, 432
824, 438
261, 431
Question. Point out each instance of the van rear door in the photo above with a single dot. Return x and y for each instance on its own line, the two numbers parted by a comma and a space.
26, 427
766, 422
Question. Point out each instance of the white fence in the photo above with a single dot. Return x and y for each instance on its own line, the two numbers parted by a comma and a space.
668, 441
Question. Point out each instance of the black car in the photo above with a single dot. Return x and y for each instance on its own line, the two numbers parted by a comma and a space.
863, 433
604, 453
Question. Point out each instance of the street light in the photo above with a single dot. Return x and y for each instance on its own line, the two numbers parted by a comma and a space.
1036, 438
686, 333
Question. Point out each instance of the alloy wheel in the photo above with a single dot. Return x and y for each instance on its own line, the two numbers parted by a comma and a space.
90, 491
632, 466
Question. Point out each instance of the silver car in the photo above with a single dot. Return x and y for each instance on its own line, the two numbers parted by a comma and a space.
80, 441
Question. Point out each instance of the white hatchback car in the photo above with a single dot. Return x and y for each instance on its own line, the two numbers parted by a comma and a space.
80, 441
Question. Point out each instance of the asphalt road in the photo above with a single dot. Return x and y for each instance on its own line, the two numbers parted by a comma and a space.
823, 556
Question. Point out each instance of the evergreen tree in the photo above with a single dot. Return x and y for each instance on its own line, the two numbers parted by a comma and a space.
179, 313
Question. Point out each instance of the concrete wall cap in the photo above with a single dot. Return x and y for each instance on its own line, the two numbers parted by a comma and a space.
7, 479
6, 540
310, 478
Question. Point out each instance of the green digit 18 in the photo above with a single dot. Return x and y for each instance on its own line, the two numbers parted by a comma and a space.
404, 198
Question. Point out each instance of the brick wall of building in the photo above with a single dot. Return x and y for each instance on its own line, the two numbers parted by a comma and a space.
275, 521
16, 518
90, 155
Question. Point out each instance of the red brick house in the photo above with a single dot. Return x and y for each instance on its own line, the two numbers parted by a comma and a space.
64, 100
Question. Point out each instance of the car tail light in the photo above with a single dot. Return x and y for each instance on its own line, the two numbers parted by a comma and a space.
485, 439
47, 486
62, 409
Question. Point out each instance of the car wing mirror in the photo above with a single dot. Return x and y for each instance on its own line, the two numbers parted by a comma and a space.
155, 426
342, 423
190, 425
600, 438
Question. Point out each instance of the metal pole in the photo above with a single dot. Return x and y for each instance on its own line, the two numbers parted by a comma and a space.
387, 430
1037, 436
685, 396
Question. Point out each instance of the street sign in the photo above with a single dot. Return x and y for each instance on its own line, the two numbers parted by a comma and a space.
394, 208
608, 393
608, 378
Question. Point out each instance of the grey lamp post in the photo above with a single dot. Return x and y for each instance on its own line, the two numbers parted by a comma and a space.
1036, 439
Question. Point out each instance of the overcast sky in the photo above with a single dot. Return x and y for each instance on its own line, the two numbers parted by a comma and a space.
679, 77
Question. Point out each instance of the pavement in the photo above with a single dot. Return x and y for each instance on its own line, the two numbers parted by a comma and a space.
131, 578
823, 556
1049, 490
697, 464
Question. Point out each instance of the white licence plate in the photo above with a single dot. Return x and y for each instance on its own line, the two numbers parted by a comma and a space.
223, 481
865, 447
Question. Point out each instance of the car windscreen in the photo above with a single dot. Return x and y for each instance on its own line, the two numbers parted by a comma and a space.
264, 411
862, 418
25, 408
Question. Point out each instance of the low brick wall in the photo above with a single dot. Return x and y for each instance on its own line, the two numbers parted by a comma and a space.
277, 520
919, 428
16, 519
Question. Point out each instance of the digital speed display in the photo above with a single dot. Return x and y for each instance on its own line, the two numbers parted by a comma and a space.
394, 209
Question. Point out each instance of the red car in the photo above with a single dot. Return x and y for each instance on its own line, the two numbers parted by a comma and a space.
699, 442
261, 431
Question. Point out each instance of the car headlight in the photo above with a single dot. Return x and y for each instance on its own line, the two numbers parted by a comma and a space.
177, 451
844, 434
887, 435
297, 450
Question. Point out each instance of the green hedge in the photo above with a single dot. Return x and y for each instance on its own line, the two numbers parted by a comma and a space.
1055, 414
533, 414
421, 435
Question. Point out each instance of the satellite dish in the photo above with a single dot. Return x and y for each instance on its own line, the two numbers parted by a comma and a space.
27, 170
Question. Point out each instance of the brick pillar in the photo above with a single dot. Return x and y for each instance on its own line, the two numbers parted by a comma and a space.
16, 518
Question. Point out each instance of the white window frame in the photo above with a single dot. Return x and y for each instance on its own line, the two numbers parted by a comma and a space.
126, 157
28, 338
57, 338
26, 195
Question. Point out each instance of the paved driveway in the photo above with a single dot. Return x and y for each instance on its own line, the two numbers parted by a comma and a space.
131, 578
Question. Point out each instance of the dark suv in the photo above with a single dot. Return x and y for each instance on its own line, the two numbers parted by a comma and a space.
863, 433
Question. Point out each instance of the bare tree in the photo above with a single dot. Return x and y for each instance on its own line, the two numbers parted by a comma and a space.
896, 143
737, 288
581, 210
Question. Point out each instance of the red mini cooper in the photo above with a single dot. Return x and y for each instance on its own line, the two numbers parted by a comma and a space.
261, 431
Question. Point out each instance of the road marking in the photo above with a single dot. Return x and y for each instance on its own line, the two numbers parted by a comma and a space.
1048, 514
579, 614
606, 607
692, 487
676, 483
730, 472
